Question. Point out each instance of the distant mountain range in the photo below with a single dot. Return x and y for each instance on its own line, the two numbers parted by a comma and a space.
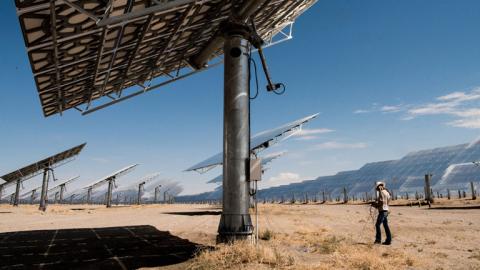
451, 167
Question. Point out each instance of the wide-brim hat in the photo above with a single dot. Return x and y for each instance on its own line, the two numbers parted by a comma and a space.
379, 183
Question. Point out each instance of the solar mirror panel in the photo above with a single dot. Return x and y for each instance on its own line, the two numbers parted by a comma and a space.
146, 179
258, 142
37, 167
64, 182
116, 174
82, 50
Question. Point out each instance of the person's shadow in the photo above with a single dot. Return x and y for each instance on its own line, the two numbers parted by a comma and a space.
128, 247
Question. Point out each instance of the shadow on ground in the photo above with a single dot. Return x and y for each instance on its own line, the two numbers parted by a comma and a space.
455, 207
195, 213
96, 248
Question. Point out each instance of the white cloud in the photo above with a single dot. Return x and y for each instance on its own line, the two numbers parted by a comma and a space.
462, 105
433, 108
474, 94
475, 112
284, 178
472, 123
339, 145
361, 111
391, 109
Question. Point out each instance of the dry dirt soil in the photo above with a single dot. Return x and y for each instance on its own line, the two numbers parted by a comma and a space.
300, 236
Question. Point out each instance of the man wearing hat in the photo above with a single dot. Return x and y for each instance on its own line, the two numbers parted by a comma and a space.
383, 198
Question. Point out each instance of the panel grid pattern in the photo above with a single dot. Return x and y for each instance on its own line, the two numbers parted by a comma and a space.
37, 167
76, 61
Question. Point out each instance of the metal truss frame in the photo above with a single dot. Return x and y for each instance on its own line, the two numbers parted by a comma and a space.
83, 51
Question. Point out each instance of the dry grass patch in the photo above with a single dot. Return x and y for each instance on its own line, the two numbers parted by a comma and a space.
317, 242
309, 247
243, 255
370, 258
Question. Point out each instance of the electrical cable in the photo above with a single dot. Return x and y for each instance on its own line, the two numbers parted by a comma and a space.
250, 61
258, 42
256, 78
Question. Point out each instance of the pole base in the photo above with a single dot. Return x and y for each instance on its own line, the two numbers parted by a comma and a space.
229, 231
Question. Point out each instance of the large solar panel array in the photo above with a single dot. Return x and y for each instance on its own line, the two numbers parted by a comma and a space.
451, 168
82, 50
37, 167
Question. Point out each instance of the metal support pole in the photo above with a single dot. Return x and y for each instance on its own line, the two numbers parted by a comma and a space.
235, 221
428, 190
55, 199
17, 193
43, 195
89, 194
345, 196
1, 191
62, 190
156, 194
474, 192
109, 193
139, 196
32, 197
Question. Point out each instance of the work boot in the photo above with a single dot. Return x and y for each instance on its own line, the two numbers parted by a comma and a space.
387, 243
377, 242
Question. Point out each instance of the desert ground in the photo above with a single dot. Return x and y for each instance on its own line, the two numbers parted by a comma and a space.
182, 236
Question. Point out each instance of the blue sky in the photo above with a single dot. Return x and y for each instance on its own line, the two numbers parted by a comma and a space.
388, 77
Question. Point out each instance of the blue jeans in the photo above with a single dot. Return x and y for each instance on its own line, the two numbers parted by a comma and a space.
382, 219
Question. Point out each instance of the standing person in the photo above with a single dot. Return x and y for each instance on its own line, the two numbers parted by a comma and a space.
383, 199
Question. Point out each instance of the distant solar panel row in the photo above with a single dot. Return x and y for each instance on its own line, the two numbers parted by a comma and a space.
82, 50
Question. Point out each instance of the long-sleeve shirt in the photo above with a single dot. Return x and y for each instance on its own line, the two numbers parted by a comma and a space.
383, 198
